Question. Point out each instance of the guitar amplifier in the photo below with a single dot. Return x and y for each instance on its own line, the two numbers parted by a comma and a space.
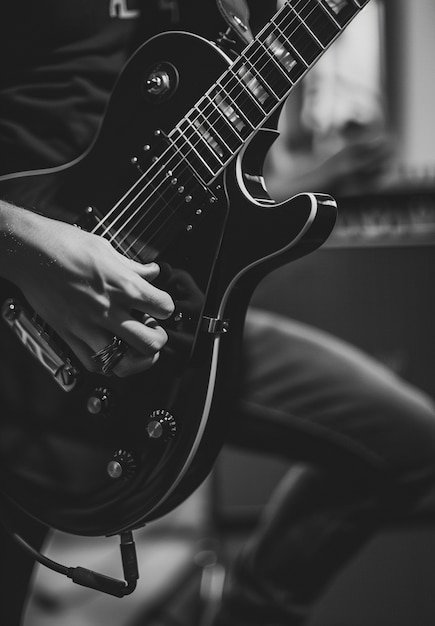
386, 220
372, 283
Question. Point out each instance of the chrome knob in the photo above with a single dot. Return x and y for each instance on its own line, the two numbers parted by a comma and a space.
99, 402
161, 425
122, 465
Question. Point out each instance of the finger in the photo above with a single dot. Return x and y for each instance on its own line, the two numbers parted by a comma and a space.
149, 299
132, 362
148, 271
145, 337
141, 294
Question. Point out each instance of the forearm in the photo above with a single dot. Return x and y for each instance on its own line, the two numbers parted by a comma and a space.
13, 220
22, 234
82, 287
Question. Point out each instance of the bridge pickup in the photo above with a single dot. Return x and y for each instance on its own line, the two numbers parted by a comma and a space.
40, 344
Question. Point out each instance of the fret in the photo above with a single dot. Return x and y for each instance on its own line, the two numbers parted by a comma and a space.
253, 85
196, 150
249, 91
318, 21
193, 152
227, 124
313, 35
241, 97
298, 36
214, 144
209, 148
227, 109
268, 71
341, 10
216, 131
290, 61
249, 86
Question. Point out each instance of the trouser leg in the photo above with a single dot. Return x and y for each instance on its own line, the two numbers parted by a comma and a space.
315, 522
368, 442
16, 568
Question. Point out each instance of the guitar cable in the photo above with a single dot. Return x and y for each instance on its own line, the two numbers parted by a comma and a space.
89, 578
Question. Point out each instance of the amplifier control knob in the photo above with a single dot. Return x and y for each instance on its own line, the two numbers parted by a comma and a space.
161, 425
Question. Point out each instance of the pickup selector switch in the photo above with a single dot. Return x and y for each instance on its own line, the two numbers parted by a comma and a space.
161, 425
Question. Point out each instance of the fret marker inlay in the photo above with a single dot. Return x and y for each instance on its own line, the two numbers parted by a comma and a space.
252, 84
280, 53
337, 5
228, 110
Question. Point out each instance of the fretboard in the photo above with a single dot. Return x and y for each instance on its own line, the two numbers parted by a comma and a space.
254, 85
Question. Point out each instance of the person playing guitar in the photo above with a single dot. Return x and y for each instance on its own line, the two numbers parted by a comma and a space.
142, 296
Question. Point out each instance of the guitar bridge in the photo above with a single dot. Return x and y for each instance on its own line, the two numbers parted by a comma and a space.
40, 344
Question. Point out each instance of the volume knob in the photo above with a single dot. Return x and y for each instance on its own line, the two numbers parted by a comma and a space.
122, 465
100, 402
161, 425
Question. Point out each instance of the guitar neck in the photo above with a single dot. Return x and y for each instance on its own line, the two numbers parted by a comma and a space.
247, 94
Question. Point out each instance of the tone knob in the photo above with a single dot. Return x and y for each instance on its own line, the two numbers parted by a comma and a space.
122, 465
99, 402
161, 425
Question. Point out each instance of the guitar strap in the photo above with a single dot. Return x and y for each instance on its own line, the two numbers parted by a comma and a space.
163, 14
236, 15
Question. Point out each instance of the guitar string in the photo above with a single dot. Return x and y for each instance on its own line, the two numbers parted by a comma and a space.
275, 95
295, 19
114, 236
275, 22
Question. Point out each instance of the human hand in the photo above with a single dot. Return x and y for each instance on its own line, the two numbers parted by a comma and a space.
87, 291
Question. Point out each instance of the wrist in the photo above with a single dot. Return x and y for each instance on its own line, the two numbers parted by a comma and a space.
17, 227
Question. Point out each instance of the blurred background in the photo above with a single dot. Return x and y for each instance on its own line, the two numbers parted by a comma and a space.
370, 100
361, 127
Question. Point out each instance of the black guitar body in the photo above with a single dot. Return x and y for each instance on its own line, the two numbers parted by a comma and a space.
162, 428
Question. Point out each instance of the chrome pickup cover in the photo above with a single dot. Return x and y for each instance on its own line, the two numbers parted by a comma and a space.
40, 344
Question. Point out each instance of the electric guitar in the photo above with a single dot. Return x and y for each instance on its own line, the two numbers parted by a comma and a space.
174, 176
